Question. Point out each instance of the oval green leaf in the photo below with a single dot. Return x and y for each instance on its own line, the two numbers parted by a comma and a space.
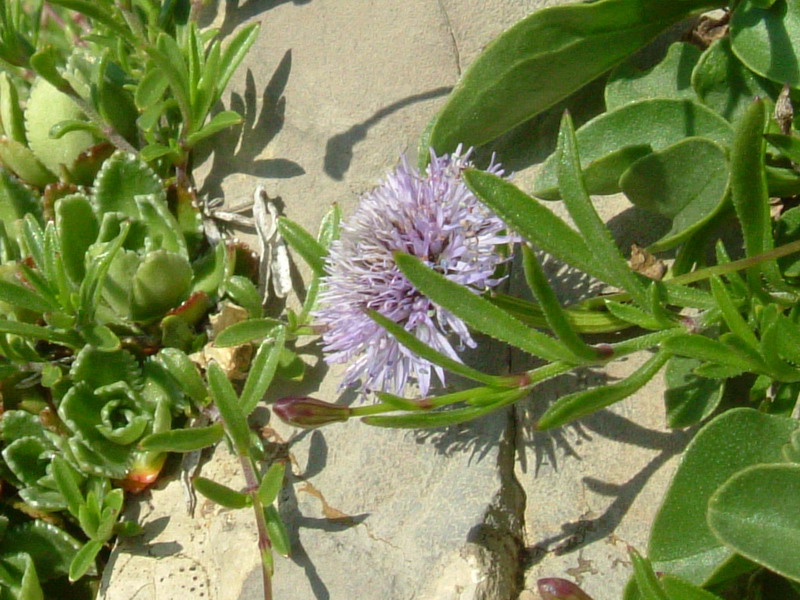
757, 514
221, 494
686, 182
658, 123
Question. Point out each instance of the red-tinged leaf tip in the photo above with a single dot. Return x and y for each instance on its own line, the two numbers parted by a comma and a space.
302, 411
554, 588
604, 351
142, 476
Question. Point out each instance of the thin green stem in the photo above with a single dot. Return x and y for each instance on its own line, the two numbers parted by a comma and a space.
264, 543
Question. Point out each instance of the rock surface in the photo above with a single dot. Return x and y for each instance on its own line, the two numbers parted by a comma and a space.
333, 93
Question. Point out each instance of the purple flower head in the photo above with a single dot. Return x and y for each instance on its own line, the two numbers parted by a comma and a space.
434, 217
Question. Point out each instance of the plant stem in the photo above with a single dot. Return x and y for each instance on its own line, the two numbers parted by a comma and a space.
264, 543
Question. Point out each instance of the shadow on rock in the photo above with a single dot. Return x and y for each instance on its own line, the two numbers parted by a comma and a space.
339, 149
237, 13
237, 150
589, 528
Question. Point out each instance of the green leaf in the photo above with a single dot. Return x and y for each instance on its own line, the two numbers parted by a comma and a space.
678, 589
221, 494
169, 59
724, 84
541, 60
153, 294
646, 580
478, 312
218, 122
708, 350
244, 293
756, 513
277, 531
183, 440
77, 230
689, 398
686, 182
22, 297
84, 559
555, 315
445, 418
184, 371
749, 191
262, 371
787, 145
163, 231
151, 88
224, 397
606, 255
235, 52
681, 542
658, 123
67, 480
304, 244
762, 38
730, 313
271, 483
528, 217
671, 78
122, 178
244, 332
51, 548
422, 350
580, 404
10, 111
94, 11
40, 333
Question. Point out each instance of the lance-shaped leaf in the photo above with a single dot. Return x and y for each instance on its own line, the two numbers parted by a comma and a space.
184, 371
756, 513
749, 190
246, 331
84, 559
22, 297
224, 397
262, 371
646, 579
555, 315
478, 312
595, 233
580, 404
542, 59
444, 418
529, 218
304, 244
221, 494
422, 350
183, 440
277, 531
708, 350
730, 313
271, 483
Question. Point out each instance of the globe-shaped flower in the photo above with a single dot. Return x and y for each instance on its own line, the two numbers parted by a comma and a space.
434, 217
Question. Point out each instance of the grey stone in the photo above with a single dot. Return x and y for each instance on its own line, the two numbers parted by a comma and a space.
333, 93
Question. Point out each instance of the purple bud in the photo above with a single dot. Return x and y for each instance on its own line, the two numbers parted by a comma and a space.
302, 411
554, 588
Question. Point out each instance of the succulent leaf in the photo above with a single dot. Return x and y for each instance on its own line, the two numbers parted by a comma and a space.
121, 178
162, 282
47, 107
77, 230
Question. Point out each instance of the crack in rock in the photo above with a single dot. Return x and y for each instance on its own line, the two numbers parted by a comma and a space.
497, 545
